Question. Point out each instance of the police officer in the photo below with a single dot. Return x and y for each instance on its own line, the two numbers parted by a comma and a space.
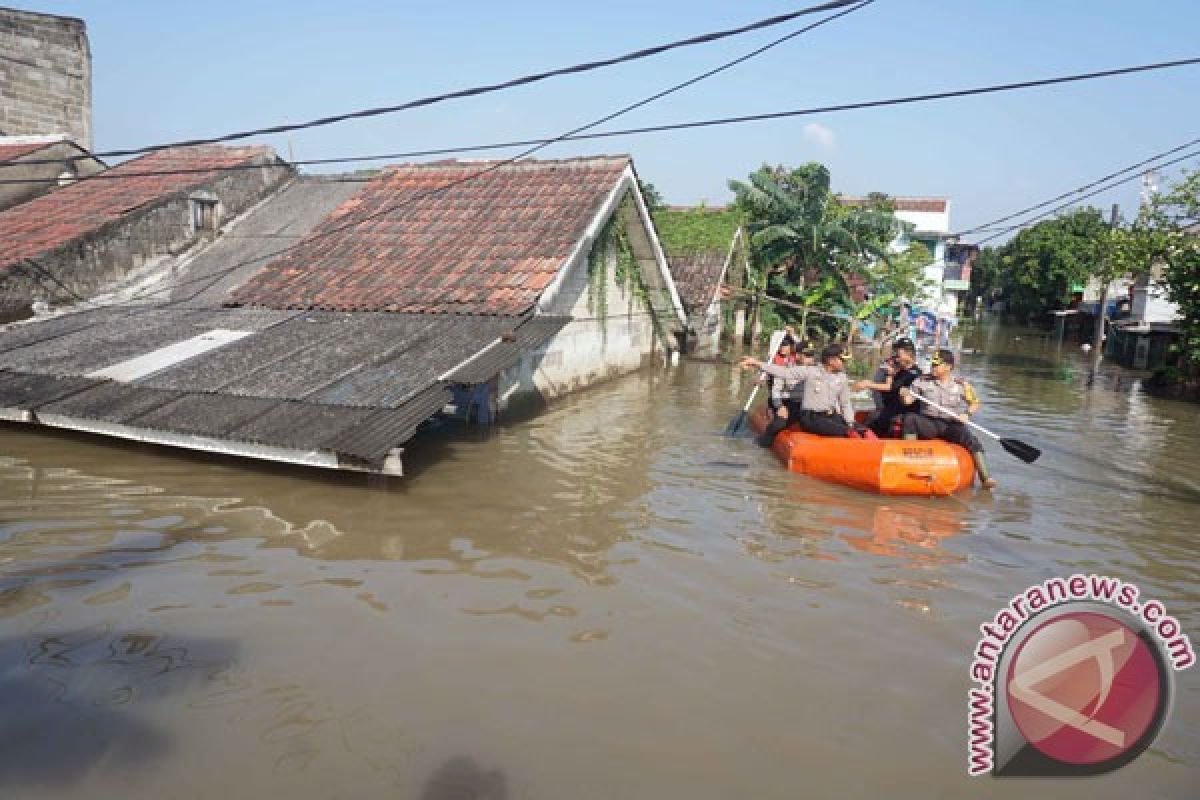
825, 407
956, 396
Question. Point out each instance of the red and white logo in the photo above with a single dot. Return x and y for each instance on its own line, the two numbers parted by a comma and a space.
1084, 688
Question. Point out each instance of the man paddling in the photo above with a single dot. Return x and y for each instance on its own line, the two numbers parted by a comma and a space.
954, 395
825, 408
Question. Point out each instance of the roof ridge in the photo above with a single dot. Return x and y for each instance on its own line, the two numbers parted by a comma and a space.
450, 163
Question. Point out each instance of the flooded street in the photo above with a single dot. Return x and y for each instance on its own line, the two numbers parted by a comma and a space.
609, 600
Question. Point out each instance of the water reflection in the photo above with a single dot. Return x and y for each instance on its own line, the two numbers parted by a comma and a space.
75, 699
463, 779
612, 582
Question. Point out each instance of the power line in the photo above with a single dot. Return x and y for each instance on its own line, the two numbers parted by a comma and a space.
525, 153
1093, 193
1084, 188
801, 112
477, 90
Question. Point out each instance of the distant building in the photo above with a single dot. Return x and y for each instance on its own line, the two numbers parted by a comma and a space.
45, 76
929, 221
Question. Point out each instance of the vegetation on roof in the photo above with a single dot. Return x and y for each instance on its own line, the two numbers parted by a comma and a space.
697, 229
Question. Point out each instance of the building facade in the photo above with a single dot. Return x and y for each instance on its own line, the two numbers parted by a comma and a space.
45, 76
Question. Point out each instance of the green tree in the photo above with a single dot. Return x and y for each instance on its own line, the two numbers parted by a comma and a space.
1041, 265
1167, 231
654, 200
806, 246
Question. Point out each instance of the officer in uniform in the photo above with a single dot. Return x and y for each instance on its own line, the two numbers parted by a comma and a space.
953, 394
825, 407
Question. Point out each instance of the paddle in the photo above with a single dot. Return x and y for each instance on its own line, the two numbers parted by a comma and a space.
1026, 452
737, 422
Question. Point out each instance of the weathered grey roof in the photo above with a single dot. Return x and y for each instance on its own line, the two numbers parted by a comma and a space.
357, 384
205, 279
530, 335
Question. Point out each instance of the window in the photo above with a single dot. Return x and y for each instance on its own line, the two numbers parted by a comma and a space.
204, 214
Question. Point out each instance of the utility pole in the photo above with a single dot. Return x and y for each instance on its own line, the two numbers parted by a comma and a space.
1098, 332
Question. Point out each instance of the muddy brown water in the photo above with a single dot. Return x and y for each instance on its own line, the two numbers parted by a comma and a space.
608, 600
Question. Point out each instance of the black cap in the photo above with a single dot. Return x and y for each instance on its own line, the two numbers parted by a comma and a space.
832, 351
942, 357
904, 341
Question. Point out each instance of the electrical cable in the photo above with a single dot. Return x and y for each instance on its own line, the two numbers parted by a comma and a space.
574, 137
1144, 163
1075, 200
523, 154
475, 91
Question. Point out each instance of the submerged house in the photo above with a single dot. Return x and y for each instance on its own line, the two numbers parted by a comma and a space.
328, 321
706, 248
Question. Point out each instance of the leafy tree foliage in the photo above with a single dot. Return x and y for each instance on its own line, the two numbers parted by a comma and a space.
1038, 267
1167, 231
806, 246
654, 200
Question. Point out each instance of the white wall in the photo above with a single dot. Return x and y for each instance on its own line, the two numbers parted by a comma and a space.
592, 347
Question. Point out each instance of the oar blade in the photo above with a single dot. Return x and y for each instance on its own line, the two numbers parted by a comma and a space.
1026, 452
735, 424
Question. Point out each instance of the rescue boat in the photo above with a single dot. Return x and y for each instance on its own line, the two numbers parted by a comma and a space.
885, 466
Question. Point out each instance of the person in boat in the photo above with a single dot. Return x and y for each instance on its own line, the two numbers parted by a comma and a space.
786, 393
824, 408
894, 374
953, 394
777, 390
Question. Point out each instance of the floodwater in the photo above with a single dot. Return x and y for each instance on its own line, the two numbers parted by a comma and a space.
610, 600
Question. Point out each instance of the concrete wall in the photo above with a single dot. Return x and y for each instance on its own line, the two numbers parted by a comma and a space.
593, 346
45, 76
87, 265
707, 326
43, 177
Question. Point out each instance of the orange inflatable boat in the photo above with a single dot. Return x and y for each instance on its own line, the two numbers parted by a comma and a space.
886, 466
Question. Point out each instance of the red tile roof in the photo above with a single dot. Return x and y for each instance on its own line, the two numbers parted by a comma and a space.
929, 204
696, 277
453, 243
10, 152
54, 219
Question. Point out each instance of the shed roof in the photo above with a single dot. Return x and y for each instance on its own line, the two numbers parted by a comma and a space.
446, 237
55, 219
697, 276
356, 385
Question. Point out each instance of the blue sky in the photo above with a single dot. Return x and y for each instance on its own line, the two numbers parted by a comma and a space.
164, 71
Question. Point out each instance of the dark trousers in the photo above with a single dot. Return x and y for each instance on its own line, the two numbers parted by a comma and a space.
953, 431
885, 422
778, 423
823, 424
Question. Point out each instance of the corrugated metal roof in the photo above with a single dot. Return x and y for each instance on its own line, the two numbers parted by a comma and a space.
205, 414
76, 344
27, 391
530, 335
414, 365
358, 384
111, 402
300, 425
371, 439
